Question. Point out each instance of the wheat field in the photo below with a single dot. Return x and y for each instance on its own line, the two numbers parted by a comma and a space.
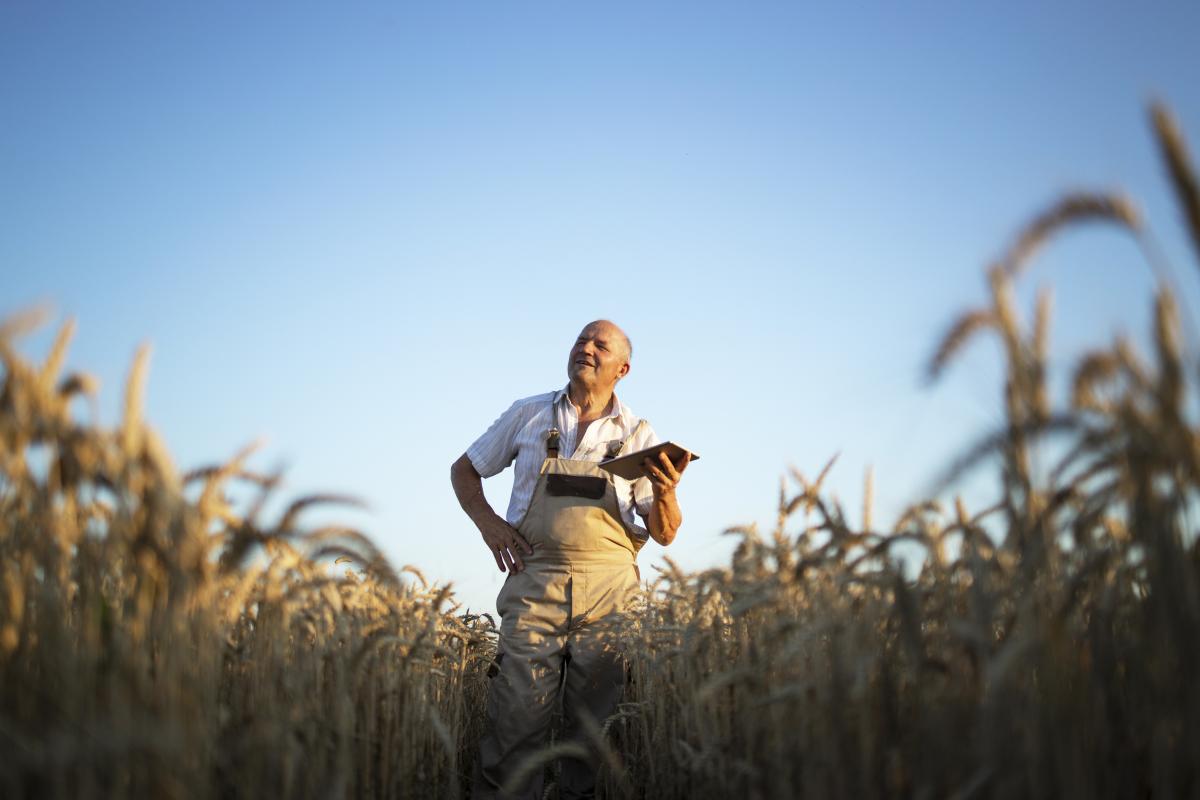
157, 642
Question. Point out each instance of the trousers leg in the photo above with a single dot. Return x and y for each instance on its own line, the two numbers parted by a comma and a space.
522, 694
595, 680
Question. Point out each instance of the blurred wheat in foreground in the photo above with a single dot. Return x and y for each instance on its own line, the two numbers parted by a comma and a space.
155, 643
156, 646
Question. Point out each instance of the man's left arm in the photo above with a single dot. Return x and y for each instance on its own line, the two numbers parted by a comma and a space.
664, 518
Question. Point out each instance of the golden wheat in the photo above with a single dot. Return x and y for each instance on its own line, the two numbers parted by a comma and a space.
154, 645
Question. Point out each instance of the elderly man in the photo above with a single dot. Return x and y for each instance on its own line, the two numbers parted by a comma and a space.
569, 543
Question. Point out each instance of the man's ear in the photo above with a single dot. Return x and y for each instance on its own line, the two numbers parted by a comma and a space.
624, 370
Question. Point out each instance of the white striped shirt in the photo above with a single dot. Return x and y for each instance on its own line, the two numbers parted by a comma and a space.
520, 434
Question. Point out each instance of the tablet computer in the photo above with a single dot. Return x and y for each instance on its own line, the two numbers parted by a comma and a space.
630, 466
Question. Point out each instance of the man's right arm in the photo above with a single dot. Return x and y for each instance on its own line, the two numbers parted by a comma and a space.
501, 538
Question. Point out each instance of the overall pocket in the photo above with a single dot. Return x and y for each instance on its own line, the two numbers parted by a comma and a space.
589, 487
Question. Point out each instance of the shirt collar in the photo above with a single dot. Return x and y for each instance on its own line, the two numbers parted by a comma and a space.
617, 409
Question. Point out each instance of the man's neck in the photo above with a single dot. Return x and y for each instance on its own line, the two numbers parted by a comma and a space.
592, 404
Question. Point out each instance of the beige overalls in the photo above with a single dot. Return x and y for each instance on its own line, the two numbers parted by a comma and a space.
581, 571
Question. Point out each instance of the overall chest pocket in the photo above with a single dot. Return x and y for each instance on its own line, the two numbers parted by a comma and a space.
586, 486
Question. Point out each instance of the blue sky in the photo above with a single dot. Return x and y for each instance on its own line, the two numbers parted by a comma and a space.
361, 230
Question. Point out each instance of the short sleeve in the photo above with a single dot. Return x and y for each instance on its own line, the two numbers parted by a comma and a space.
496, 449
643, 492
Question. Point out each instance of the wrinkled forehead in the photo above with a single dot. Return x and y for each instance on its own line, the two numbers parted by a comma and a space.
601, 330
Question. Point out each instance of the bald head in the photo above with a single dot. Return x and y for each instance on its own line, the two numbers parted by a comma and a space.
613, 330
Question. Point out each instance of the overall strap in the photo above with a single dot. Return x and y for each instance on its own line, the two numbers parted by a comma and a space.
552, 436
616, 448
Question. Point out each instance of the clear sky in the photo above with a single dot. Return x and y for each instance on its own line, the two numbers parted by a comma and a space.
362, 230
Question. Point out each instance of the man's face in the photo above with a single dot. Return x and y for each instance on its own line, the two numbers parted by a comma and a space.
598, 358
